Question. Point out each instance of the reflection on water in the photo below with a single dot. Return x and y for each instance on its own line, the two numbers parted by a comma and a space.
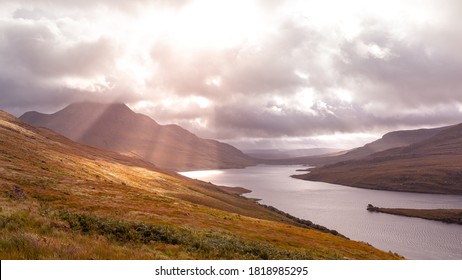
344, 209
202, 173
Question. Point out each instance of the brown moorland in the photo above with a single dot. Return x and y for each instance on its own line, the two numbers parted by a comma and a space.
394, 139
63, 200
433, 165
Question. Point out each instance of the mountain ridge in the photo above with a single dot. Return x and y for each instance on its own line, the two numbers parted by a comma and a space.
432, 165
393, 139
116, 127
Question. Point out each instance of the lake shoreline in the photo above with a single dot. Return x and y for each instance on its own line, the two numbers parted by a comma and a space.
448, 216
342, 208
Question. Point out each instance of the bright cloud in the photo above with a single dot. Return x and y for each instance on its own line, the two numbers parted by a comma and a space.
241, 70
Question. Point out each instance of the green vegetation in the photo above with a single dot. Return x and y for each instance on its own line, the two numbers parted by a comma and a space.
200, 244
210, 244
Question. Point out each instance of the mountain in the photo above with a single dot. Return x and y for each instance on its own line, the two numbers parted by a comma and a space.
433, 165
390, 140
64, 200
117, 128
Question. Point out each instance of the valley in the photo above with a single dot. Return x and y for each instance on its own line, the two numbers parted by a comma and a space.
130, 196
343, 208
64, 200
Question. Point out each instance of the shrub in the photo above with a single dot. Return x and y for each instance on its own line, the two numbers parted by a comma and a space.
207, 244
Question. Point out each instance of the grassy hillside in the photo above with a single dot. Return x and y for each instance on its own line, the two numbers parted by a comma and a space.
435, 174
62, 200
431, 166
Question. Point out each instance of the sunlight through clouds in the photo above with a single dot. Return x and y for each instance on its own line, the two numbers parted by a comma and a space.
343, 95
240, 68
304, 100
215, 24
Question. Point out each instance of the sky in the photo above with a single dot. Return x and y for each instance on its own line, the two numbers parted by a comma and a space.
253, 73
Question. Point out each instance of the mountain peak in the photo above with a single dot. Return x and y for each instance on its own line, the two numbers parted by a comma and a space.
114, 126
86, 106
98, 104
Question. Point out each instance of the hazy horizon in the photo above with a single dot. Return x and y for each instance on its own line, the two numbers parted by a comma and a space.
266, 74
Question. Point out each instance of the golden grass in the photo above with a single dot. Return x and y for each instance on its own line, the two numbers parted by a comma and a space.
45, 179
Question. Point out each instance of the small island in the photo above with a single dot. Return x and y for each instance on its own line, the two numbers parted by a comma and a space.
450, 216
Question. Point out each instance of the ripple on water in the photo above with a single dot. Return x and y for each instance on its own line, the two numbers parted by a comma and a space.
344, 209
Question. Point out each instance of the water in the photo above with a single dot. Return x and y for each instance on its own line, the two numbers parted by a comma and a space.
344, 209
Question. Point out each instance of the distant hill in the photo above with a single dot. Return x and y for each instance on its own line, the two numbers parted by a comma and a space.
433, 165
64, 200
390, 140
288, 153
117, 128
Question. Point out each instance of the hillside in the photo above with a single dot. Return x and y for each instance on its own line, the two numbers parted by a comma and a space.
117, 128
390, 140
64, 200
430, 166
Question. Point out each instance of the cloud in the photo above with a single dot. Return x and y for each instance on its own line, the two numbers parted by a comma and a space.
409, 73
295, 69
85, 5
249, 69
37, 48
